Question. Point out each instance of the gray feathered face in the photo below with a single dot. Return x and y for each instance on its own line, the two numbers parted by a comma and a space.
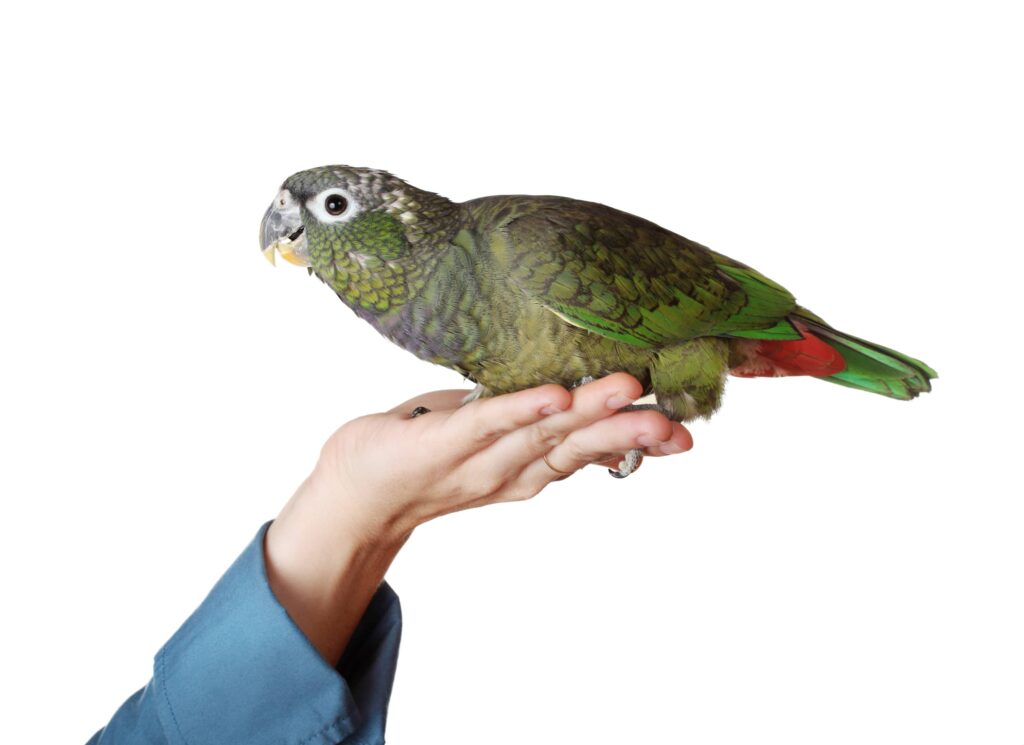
327, 199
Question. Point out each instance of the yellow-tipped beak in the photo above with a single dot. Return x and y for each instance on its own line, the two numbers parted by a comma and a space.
281, 232
284, 248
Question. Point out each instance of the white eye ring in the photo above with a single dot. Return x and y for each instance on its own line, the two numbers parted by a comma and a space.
318, 206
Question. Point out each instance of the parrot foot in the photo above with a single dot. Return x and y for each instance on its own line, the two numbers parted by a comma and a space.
582, 381
628, 464
648, 407
474, 394
418, 411
635, 456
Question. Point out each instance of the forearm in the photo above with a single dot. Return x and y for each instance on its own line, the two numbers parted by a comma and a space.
324, 566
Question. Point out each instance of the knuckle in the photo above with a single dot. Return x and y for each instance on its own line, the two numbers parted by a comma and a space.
546, 438
481, 422
474, 482
577, 453
519, 493
489, 485
487, 431
556, 392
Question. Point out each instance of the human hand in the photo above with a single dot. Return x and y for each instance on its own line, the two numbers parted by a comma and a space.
381, 475
390, 472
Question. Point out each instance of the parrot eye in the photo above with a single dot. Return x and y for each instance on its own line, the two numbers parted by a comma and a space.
335, 204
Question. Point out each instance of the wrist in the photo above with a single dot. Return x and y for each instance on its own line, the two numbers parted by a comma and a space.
324, 568
337, 524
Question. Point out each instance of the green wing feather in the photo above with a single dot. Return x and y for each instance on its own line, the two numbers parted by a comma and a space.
628, 279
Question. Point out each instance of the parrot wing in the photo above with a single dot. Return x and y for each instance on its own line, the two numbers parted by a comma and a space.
623, 277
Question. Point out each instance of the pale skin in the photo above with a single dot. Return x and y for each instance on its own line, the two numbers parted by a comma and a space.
381, 476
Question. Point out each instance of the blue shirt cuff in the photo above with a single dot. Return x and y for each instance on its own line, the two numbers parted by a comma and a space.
240, 670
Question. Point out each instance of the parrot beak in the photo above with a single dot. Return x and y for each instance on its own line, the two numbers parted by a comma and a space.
282, 232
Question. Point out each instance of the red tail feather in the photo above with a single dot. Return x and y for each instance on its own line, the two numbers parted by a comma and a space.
807, 356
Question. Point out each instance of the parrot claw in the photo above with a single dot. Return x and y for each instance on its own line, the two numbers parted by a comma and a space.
582, 381
418, 411
629, 464
474, 394
635, 457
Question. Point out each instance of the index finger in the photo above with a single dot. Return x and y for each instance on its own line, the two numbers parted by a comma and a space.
481, 422
592, 402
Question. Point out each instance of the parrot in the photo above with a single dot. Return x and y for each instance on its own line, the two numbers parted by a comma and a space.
517, 291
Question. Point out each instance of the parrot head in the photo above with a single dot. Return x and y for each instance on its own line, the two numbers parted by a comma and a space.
363, 212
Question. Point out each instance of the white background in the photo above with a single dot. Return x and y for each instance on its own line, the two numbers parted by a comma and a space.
825, 566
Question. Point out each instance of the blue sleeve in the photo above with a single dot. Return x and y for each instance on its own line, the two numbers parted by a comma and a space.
240, 670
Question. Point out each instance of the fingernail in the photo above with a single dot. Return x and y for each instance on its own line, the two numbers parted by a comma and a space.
618, 401
549, 409
671, 448
647, 441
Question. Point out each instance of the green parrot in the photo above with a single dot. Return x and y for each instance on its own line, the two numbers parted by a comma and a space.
518, 291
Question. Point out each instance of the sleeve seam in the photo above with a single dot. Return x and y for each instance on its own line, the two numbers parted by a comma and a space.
340, 724
160, 671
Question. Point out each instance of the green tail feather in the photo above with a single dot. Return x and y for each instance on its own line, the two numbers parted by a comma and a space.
869, 366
